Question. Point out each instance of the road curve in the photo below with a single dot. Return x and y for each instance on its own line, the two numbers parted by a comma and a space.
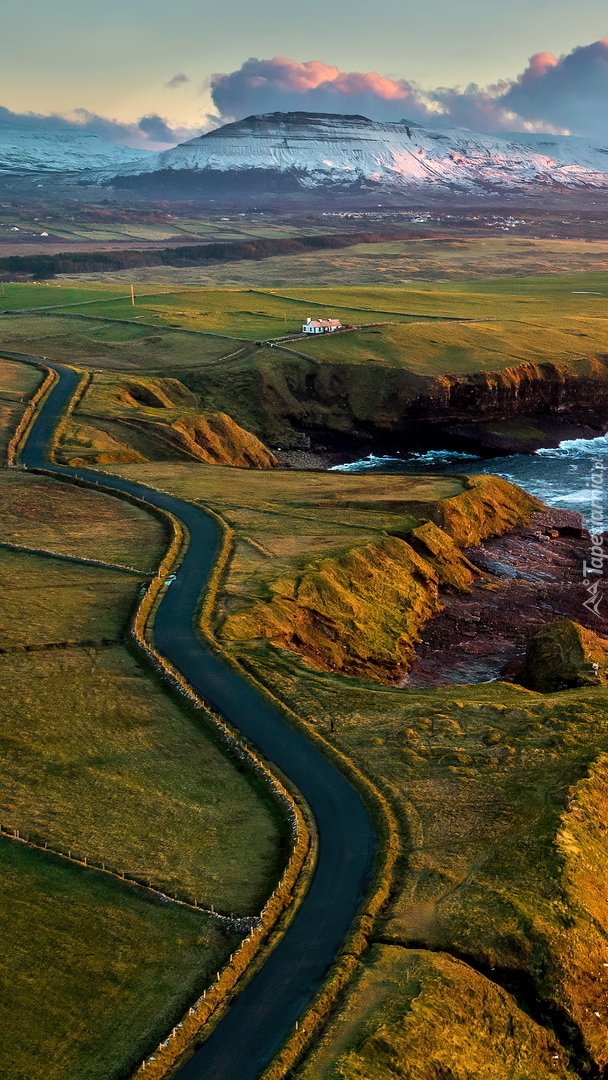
251, 1032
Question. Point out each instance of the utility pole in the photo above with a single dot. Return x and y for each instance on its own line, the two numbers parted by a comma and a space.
132, 296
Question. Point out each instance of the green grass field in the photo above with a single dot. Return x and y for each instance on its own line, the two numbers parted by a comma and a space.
93, 974
104, 764
39, 512
436, 1017
558, 318
33, 294
446, 348
582, 294
18, 383
98, 760
282, 517
51, 602
394, 263
93, 723
248, 314
114, 346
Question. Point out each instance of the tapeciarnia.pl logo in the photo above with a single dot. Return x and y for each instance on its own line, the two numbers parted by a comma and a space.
593, 571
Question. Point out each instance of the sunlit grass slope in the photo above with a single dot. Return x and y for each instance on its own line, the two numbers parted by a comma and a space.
93, 974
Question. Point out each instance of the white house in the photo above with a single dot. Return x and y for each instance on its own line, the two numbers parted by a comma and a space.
321, 326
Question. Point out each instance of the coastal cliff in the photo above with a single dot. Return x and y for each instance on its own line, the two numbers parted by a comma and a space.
340, 404
360, 611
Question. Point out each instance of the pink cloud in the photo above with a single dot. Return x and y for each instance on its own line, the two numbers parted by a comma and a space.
552, 94
312, 85
568, 92
538, 65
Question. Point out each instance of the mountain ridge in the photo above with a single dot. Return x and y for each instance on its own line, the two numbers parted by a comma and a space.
320, 153
25, 150
323, 150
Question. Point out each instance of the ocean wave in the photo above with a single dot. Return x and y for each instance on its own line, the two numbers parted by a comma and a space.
372, 461
430, 457
577, 448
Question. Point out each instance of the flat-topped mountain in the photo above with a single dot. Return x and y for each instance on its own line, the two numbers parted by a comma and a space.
317, 153
325, 152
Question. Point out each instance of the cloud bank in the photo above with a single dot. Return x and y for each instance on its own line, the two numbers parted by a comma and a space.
150, 132
567, 94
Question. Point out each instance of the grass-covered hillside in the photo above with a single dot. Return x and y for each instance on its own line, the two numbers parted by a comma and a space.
436, 353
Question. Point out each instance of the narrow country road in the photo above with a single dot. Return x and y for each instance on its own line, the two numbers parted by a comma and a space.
251, 1032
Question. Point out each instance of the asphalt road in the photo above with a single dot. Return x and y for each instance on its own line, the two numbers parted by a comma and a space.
251, 1032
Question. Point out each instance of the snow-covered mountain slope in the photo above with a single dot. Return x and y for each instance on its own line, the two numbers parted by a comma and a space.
31, 150
325, 151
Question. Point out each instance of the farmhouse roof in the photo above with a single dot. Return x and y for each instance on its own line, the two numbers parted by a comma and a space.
324, 322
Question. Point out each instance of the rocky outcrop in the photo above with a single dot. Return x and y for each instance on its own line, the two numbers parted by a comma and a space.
563, 655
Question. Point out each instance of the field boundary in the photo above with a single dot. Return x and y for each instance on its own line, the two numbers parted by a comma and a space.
233, 922
74, 558
379, 311
19, 436
86, 378
158, 328
303, 848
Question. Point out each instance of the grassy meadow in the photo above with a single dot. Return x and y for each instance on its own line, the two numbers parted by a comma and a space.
111, 345
98, 760
282, 518
94, 722
393, 263
424, 330
105, 764
435, 348
42, 513
93, 974
360, 379
435, 1016
47, 602
18, 383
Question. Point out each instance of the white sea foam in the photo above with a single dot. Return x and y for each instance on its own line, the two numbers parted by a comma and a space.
559, 477
372, 461
577, 448
431, 457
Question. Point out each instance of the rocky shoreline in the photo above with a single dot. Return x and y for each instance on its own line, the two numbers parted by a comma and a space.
532, 576
489, 440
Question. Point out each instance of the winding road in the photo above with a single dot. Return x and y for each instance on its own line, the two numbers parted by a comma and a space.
251, 1032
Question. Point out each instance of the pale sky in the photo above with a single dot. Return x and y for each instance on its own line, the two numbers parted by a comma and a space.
114, 57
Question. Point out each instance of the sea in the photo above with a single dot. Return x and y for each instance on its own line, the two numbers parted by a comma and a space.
561, 477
